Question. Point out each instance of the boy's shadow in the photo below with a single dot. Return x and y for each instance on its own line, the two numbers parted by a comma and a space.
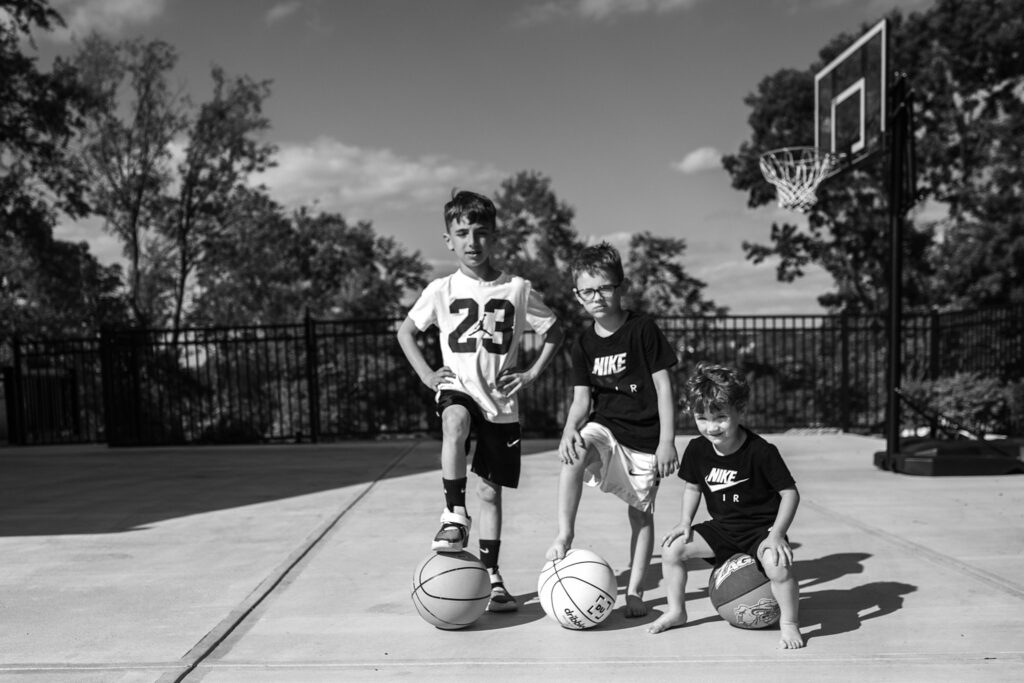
834, 611
822, 612
829, 568
830, 612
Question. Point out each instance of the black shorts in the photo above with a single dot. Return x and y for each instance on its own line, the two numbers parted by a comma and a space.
725, 543
498, 445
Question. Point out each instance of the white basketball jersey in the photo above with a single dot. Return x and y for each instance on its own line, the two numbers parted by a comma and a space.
481, 325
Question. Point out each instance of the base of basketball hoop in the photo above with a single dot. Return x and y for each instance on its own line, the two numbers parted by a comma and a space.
796, 173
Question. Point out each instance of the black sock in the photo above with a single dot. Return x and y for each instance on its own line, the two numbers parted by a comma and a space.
454, 493
489, 554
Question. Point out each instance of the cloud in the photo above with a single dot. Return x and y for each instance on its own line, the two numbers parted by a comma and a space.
598, 10
701, 159
110, 17
602, 9
103, 245
342, 178
749, 289
281, 11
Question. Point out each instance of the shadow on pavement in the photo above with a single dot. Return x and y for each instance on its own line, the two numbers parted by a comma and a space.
831, 612
93, 489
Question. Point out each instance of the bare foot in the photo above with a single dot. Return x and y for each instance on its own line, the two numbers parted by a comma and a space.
668, 620
635, 606
558, 548
790, 638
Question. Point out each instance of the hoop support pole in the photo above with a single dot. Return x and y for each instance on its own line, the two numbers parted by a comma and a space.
900, 121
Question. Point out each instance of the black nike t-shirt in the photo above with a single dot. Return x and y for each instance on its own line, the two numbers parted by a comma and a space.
619, 369
741, 490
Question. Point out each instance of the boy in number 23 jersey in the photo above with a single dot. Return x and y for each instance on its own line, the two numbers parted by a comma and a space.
481, 314
481, 326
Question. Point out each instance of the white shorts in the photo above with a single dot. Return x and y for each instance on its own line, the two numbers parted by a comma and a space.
629, 474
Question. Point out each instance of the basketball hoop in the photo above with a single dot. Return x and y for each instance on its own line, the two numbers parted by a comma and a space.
796, 173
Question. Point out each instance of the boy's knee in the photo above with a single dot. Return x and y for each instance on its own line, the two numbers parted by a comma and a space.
675, 553
455, 423
777, 574
488, 492
639, 516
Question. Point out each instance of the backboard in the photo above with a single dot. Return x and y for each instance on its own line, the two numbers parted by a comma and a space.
850, 99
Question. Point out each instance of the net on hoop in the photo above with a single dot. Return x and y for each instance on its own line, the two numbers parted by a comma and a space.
796, 173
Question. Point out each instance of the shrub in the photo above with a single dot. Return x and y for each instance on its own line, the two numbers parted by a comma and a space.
982, 404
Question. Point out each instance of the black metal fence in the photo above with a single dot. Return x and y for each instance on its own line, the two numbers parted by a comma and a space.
325, 380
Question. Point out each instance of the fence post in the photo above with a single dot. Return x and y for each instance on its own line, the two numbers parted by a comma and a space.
312, 379
844, 379
16, 399
107, 379
933, 346
934, 367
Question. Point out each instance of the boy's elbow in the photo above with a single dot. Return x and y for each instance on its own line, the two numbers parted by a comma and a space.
555, 333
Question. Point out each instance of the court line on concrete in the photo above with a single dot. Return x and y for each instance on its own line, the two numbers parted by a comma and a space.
994, 580
802, 658
219, 633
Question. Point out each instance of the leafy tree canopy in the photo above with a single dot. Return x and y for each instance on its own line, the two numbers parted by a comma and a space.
965, 62
538, 241
47, 286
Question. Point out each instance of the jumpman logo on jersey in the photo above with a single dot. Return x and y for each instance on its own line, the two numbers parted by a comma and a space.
484, 327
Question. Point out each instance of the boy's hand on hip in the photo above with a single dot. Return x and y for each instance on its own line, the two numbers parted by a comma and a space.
439, 377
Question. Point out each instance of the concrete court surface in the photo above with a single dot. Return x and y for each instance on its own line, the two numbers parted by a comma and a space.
294, 563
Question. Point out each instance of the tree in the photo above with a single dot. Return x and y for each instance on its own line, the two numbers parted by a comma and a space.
47, 286
59, 291
964, 62
166, 214
537, 240
984, 265
129, 158
269, 267
39, 113
658, 281
223, 150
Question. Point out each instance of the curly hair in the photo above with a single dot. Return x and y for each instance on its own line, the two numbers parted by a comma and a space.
712, 387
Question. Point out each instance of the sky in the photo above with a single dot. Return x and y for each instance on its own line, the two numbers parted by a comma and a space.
380, 107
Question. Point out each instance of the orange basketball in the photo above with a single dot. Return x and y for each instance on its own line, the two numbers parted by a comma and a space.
742, 594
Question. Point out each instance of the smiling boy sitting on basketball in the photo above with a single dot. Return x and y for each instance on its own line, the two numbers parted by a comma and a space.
750, 495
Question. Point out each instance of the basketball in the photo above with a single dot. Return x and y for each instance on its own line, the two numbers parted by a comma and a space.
742, 594
451, 590
578, 591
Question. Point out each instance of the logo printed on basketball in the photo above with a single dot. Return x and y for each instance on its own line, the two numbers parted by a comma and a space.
731, 566
571, 616
764, 613
602, 605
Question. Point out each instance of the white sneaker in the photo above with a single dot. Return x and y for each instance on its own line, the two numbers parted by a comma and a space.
453, 534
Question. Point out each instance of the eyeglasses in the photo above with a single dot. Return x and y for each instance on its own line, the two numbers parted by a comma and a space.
588, 294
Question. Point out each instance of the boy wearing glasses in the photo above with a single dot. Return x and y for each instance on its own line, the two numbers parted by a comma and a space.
620, 430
